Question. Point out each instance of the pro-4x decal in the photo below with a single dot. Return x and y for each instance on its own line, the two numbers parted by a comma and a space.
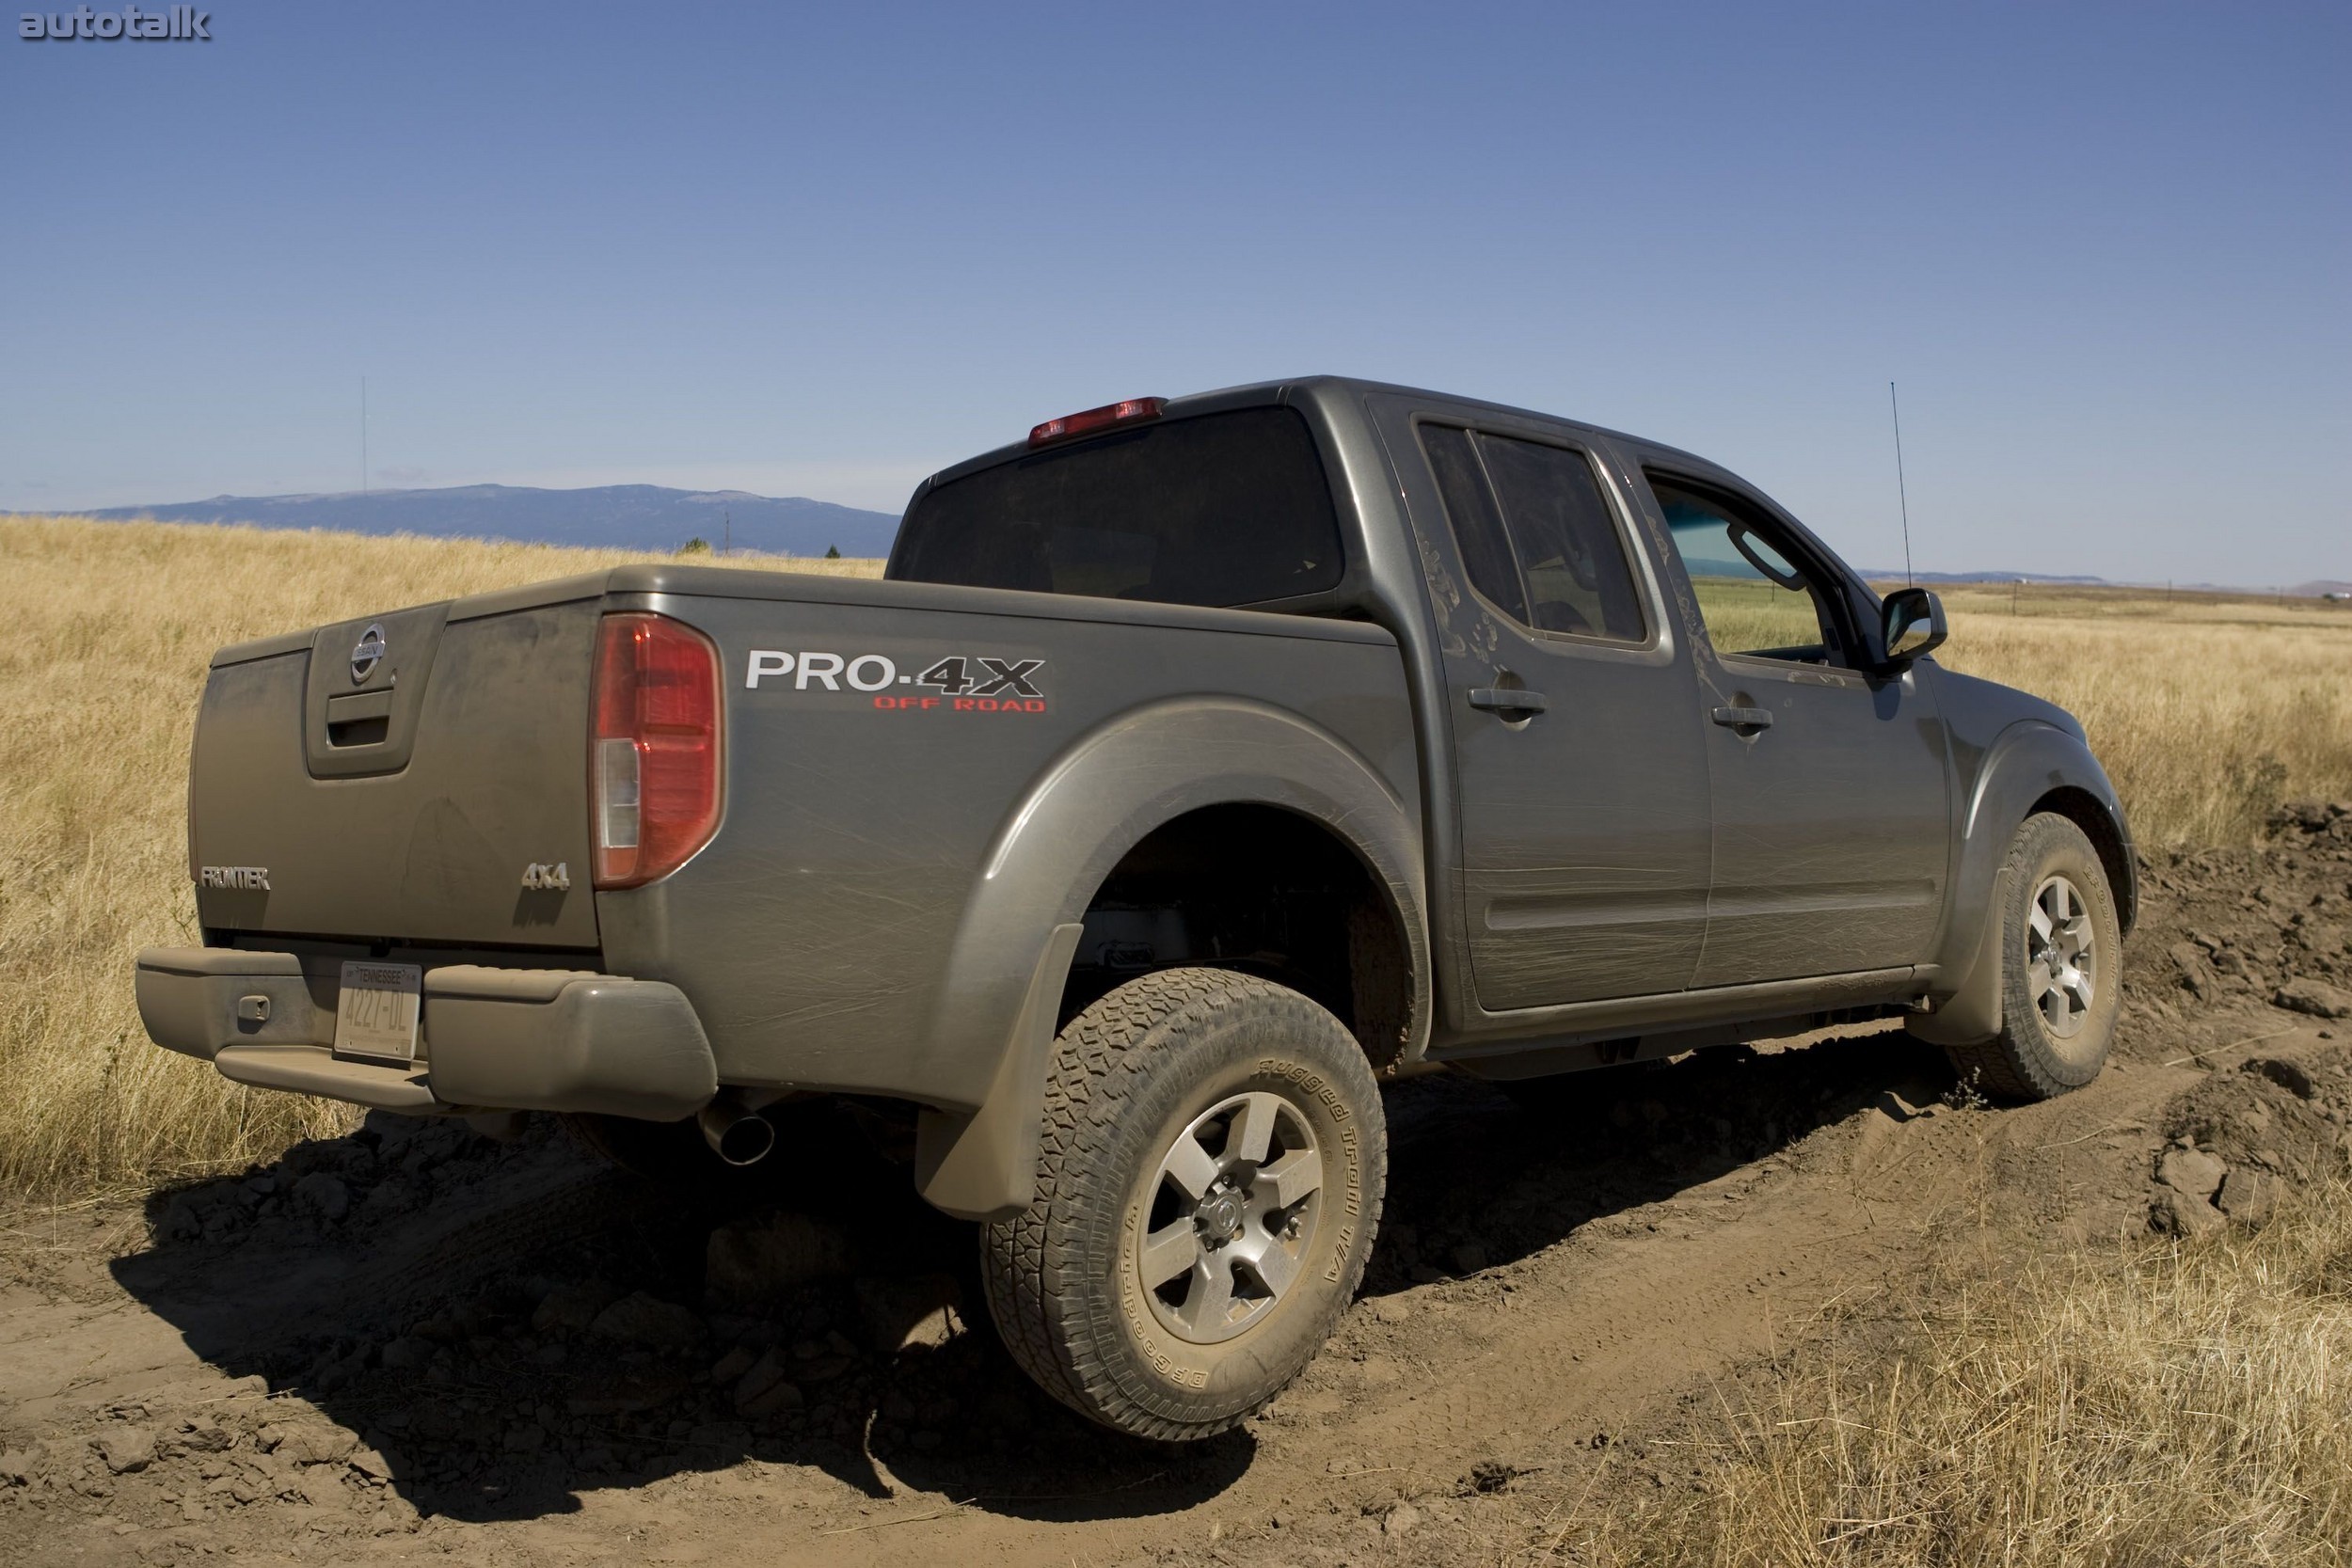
966, 683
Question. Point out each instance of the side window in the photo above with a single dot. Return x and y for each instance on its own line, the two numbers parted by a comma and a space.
1570, 553
1755, 600
1470, 506
1537, 535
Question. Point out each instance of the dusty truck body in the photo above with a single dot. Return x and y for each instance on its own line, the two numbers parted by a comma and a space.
1193, 767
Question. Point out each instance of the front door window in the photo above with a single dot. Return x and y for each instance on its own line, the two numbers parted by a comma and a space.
1756, 601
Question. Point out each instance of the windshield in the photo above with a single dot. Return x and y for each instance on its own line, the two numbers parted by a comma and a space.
1221, 509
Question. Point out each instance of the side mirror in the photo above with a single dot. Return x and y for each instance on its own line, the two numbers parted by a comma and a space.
1911, 623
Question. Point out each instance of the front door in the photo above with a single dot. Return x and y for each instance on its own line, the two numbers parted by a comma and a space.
1579, 759
1828, 781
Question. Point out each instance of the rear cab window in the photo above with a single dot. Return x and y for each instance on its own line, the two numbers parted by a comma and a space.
1219, 508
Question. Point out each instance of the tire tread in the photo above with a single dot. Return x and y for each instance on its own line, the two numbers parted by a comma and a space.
2011, 1066
1100, 1060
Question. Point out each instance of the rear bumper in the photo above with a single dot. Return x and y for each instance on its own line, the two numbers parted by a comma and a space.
521, 1039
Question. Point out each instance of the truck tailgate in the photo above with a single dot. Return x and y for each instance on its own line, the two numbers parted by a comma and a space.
397, 777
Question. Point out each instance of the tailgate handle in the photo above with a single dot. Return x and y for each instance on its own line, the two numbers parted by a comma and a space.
1499, 699
1744, 718
363, 719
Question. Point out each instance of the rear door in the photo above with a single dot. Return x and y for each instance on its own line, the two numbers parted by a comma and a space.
1827, 780
1580, 771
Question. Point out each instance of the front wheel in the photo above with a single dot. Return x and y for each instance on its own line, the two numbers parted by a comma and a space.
1207, 1193
2061, 967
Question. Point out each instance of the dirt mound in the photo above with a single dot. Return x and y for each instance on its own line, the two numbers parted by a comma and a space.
2280, 1119
2233, 929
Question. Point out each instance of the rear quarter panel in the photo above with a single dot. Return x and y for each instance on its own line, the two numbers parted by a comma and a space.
851, 925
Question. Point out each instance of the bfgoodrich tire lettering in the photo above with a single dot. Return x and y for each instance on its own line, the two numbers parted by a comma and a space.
1178, 1056
2061, 967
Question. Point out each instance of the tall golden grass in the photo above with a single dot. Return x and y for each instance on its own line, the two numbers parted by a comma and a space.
108, 630
2206, 712
2186, 1404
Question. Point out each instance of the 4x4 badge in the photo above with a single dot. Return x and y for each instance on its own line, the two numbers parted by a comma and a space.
368, 655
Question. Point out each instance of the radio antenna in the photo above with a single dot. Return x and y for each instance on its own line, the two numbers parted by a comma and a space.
363, 434
1901, 494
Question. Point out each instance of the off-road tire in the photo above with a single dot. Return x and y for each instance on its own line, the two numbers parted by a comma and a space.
1129, 1076
2028, 1060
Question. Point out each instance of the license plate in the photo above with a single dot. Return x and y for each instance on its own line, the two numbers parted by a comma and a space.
377, 1015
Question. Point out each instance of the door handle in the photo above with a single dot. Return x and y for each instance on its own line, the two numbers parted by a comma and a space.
1498, 699
1744, 718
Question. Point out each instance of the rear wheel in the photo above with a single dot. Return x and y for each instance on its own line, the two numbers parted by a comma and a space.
2061, 967
1207, 1193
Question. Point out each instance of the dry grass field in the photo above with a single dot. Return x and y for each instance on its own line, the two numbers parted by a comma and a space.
2175, 1404
2208, 709
113, 624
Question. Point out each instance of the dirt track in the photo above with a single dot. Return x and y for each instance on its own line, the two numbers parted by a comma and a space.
508, 1354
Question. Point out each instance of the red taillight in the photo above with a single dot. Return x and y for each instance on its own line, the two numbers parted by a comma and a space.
1096, 418
653, 762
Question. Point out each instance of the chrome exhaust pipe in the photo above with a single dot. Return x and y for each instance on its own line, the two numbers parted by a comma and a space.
737, 1136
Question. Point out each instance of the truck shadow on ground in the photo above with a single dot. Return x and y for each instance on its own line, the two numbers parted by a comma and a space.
505, 1327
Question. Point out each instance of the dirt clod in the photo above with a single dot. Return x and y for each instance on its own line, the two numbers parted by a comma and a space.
2316, 997
309, 1441
2247, 1196
323, 1195
127, 1451
2291, 1076
639, 1319
2191, 1173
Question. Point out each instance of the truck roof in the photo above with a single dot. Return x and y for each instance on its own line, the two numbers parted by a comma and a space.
1330, 388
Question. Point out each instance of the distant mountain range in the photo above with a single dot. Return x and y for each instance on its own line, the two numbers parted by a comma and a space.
616, 517
1985, 577
2313, 590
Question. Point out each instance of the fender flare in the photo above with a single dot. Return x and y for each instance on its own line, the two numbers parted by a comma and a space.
990, 1037
2026, 762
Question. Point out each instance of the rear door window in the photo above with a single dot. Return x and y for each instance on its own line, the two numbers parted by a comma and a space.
1538, 538
1219, 509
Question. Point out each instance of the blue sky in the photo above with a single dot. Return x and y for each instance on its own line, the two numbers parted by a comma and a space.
825, 250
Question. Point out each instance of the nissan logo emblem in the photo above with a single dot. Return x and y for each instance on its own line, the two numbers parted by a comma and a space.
368, 655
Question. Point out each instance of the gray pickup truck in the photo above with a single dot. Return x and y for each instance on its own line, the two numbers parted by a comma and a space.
1195, 766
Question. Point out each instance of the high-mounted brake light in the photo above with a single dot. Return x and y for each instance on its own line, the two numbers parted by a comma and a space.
653, 761
1096, 418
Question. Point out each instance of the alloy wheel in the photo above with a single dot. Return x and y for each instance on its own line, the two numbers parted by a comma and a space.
2061, 956
1228, 1216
